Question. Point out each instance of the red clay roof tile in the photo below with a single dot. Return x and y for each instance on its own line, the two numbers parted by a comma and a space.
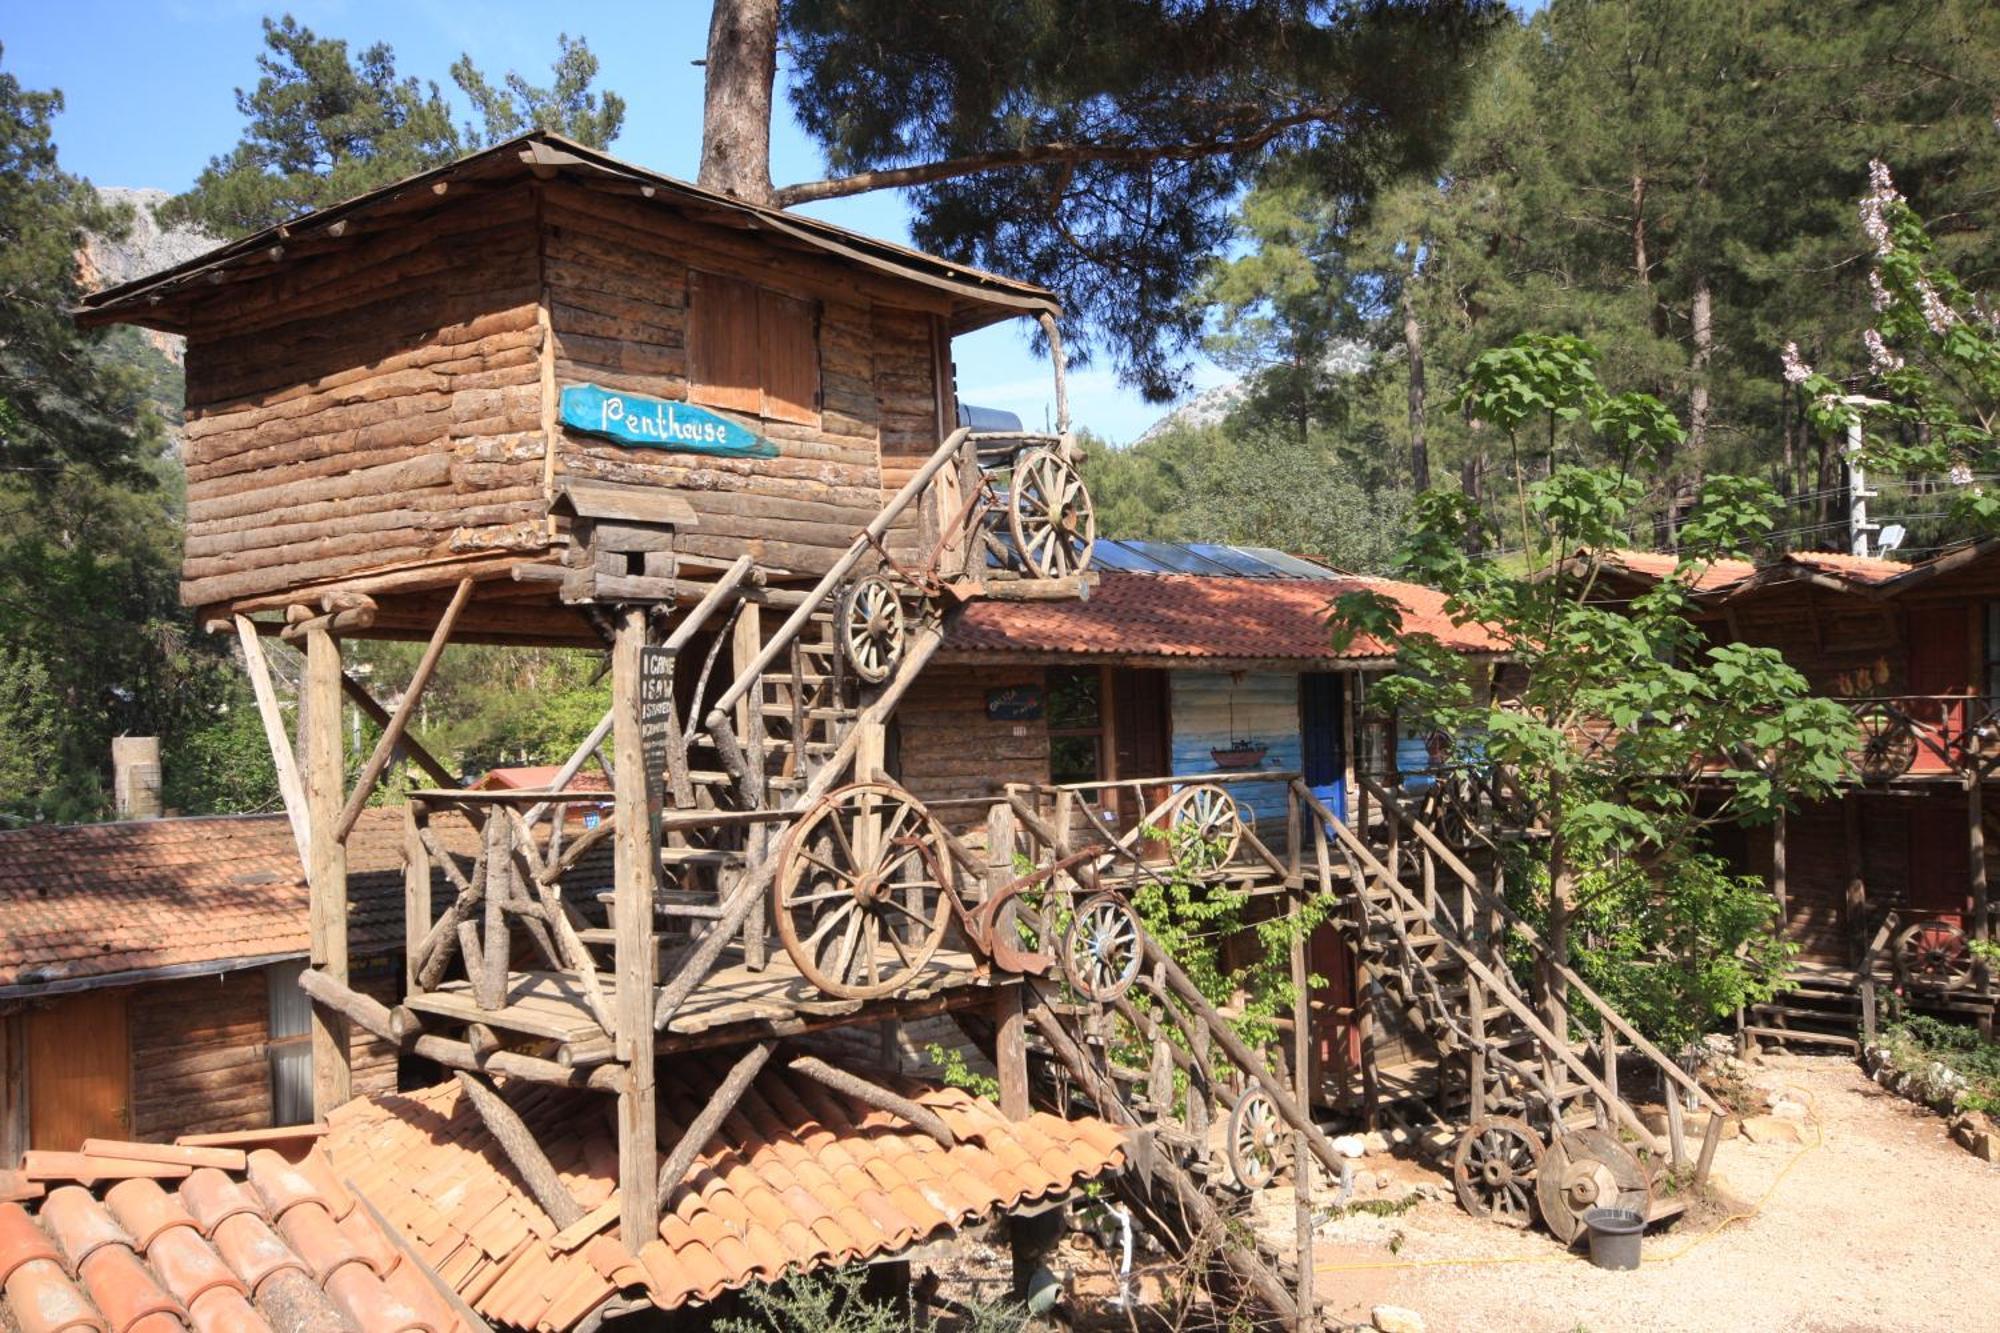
80, 1224
222, 1310
145, 1210
1197, 616
121, 1288
798, 1176
42, 1299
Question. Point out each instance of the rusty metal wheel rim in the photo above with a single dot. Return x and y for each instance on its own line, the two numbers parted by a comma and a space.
873, 630
1050, 516
1101, 951
1209, 818
862, 891
1259, 1140
1493, 1170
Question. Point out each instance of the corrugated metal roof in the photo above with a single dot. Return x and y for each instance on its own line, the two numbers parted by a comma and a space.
1138, 556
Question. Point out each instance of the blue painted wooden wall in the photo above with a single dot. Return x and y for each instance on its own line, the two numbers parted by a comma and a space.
1266, 710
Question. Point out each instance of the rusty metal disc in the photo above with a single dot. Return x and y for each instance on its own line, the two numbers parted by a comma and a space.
1585, 1169
1494, 1170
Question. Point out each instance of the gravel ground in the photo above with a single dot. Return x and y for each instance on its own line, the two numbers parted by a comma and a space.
1884, 1225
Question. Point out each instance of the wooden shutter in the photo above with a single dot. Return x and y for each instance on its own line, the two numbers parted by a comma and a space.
790, 346
722, 343
79, 1071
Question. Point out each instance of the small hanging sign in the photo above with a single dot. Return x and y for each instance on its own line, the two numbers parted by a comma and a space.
1014, 703
658, 423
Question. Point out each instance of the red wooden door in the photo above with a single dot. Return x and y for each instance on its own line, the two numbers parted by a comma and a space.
1940, 663
1336, 1037
1940, 861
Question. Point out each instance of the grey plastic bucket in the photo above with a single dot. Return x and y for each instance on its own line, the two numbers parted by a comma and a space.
1614, 1237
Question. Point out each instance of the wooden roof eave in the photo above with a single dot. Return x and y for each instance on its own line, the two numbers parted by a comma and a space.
155, 300
1180, 661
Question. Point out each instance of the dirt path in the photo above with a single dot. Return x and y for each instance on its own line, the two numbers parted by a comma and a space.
1884, 1225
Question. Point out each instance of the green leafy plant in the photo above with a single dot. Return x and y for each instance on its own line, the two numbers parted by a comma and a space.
953, 1069
835, 1302
1632, 736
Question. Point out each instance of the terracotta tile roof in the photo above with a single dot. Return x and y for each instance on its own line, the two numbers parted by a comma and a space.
85, 900
226, 1242
1656, 565
1199, 616
1862, 569
531, 777
797, 1177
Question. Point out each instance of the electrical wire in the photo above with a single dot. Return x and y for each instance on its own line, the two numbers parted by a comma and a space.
1564, 1256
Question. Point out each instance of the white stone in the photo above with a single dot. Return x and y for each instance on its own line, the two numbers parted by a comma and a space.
1350, 1145
1376, 1141
1395, 1319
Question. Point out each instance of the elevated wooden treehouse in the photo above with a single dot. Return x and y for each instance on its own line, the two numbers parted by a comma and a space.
541, 396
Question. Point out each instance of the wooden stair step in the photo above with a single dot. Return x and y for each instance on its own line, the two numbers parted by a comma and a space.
1805, 1036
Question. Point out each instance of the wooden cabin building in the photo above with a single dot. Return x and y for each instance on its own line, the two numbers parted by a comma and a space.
1887, 883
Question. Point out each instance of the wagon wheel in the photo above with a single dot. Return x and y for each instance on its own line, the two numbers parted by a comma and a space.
862, 890
1888, 744
1585, 1169
1050, 515
1493, 1169
1207, 817
872, 629
1101, 952
1934, 954
1259, 1142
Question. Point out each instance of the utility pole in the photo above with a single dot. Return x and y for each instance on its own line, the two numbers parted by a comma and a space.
1859, 529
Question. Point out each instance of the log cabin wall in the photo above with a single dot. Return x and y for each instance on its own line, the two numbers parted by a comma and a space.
948, 748
380, 405
645, 301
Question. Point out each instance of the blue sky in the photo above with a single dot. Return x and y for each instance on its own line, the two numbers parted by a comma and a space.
150, 93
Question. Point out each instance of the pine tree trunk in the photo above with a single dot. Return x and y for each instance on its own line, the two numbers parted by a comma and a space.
736, 114
1703, 316
1413, 343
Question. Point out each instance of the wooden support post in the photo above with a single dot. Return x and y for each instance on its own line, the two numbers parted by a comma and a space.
872, 752
634, 860
283, 760
1857, 879
875, 1095
1302, 1089
1608, 1051
326, 869
1710, 1136
1010, 1050
1778, 889
1676, 1135
745, 645
399, 721
416, 894
518, 1142
496, 948
727, 1094
1975, 828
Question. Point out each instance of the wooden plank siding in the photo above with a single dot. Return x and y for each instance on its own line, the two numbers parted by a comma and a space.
1210, 709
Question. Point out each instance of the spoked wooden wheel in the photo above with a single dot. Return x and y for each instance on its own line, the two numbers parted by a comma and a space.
1101, 953
1050, 515
872, 628
1207, 820
1935, 955
1585, 1169
861, 892
1260, 1143
1494, 1169
1888, 744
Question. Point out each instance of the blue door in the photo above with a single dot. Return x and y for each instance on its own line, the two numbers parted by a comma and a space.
1323, 737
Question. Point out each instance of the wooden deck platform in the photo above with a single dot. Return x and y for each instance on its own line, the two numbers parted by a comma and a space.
734, 1004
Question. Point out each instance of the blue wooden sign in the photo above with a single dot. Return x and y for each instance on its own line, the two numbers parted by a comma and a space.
658, 423
1014, 703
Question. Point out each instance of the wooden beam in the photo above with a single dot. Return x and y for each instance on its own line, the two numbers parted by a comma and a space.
416, 894
392, 734
1856, 904
518, 1142
875, 1095
326, 866
358, 694
720, 1104
637, 956
282, 757
1010, 1051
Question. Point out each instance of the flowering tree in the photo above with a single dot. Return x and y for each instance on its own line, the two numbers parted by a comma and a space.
1933, 362
1632, 736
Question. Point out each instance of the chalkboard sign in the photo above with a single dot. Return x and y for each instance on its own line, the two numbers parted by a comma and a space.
658, 423
656, 720
1014, 703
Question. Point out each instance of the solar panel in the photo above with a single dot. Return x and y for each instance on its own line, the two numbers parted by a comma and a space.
1216, 559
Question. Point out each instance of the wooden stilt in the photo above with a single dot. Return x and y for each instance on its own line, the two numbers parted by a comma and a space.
518, 1142
634, 861
1975, 828
1857, 881
1010, 1051
1302, 1089
727, 1094
326, 867
416, 894
283, 760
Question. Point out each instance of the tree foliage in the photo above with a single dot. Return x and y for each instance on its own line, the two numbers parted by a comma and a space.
1099, 145
1669, 181
323, 125
1630, 735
